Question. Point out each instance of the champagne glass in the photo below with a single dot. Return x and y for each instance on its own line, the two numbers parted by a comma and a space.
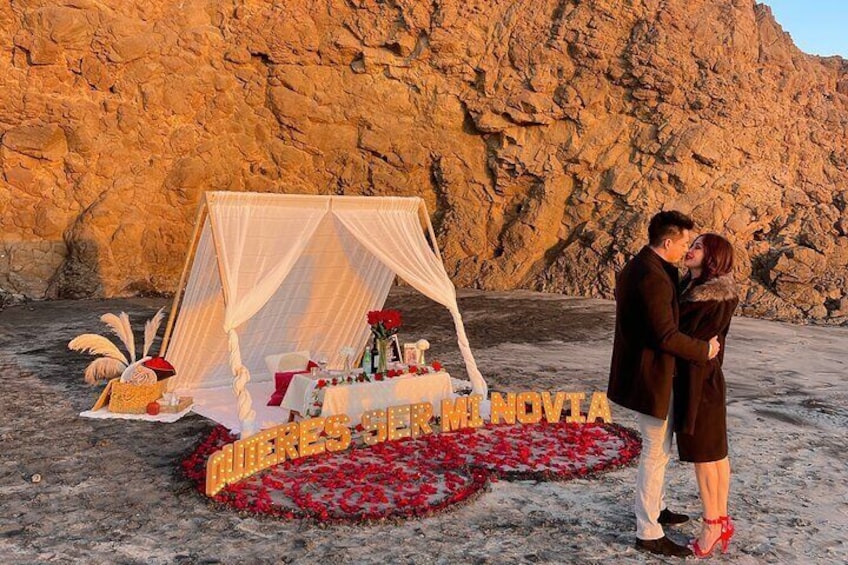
322, 363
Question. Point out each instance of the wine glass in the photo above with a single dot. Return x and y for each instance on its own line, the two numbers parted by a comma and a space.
322, 363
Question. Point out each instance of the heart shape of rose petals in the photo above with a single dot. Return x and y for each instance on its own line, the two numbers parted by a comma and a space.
418, 477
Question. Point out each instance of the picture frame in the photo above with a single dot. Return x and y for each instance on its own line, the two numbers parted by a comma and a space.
410, 354
394, 350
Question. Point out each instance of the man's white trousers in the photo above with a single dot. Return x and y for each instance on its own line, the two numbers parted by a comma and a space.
650, 480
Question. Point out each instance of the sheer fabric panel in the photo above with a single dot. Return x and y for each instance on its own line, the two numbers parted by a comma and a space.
198, 345
321, 305
389, 228
259, 238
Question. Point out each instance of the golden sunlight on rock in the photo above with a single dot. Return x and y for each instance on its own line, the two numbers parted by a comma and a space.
542, 136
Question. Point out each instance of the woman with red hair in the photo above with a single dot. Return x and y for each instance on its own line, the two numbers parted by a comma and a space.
707, 301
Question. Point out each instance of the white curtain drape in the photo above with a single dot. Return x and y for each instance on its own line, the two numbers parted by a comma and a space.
258, 242
390, 229
259, 239
198, 347
320, 306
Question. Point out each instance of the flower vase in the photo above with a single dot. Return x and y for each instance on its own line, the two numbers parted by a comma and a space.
383, 350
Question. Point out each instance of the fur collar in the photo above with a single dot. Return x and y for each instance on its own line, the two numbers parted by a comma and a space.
719, 289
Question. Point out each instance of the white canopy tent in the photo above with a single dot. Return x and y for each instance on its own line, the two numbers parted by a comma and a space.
275, 273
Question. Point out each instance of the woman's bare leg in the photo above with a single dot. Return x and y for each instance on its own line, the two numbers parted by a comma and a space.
709, 485
723, 469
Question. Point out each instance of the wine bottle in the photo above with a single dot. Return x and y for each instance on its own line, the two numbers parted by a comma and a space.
375, 356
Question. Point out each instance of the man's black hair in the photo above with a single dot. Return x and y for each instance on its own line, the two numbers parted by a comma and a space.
669, 224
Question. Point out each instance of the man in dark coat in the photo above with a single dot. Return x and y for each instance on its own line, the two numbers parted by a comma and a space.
647, 341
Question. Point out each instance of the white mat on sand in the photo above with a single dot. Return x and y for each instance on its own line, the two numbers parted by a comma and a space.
166, 417
219, 404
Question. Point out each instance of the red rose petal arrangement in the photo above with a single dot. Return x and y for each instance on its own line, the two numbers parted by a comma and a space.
417, 477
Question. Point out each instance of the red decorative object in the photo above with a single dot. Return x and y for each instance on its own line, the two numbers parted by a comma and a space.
418, 477
161, 367
546, 451
282, 382
153, 408
384, 323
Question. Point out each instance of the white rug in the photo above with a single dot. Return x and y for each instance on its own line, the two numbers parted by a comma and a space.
166, 417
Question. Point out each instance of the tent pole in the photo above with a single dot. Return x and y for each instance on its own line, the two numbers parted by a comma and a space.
200, 217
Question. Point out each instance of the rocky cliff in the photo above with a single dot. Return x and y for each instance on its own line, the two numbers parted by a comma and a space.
542, 133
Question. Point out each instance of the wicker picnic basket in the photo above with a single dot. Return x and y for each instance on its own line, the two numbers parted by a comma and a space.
130, 398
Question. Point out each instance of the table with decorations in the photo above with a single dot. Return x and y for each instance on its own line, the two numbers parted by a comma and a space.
330, 393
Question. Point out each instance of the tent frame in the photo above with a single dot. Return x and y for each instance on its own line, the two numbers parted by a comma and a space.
200, 219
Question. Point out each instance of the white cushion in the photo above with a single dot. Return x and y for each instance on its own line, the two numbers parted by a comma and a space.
282, 362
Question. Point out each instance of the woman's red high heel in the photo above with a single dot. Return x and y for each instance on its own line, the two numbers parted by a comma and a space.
727, 531
704, 553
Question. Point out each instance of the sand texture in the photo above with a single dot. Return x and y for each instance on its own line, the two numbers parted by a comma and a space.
110, 492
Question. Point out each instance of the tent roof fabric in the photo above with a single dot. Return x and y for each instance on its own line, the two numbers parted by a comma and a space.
276, 273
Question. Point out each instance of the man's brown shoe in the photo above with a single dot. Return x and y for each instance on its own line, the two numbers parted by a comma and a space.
663, 546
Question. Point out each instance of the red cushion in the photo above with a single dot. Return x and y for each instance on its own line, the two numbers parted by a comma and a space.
282, 381
161, 367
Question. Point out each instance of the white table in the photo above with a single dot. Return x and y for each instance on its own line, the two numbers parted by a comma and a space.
354, 399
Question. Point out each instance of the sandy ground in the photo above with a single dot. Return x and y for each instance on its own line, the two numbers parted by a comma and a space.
110, 492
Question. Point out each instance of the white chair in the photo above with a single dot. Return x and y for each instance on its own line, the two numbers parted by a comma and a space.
283, 362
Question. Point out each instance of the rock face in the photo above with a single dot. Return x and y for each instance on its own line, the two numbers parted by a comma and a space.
542, 135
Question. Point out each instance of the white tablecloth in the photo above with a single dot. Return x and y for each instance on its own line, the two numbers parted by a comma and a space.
355, 399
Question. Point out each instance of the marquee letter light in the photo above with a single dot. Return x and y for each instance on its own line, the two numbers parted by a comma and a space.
336, 427
599, 408
553, 410
474, 418
239, 470
310, 442
503, 410
216, 471
260, 454
398, 422
419, 419
576, 416
454, 414
374, 421
286, 440
535, 402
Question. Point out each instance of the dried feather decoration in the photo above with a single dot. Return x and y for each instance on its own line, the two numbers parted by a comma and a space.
151, 327
113, 362
121, 329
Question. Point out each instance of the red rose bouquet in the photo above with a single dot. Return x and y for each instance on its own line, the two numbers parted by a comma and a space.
384, 323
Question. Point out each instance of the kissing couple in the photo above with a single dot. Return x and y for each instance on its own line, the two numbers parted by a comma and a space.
666, 365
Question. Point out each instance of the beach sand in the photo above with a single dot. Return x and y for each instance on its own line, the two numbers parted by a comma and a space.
110, 491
